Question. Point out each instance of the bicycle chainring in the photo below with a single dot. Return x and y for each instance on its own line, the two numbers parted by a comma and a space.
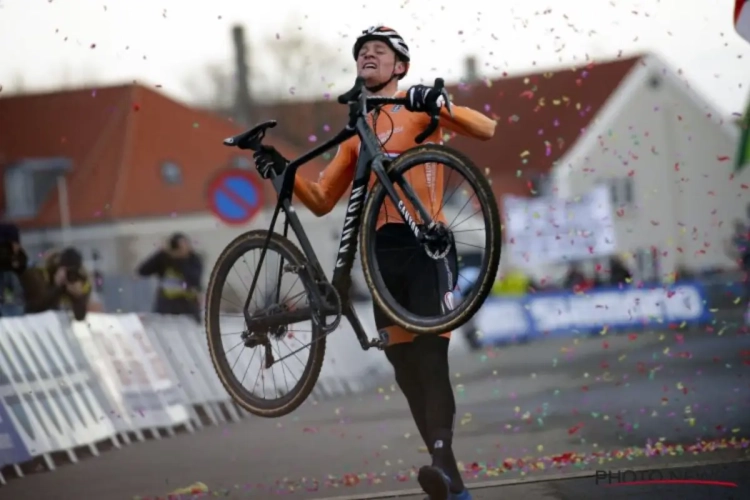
330, 293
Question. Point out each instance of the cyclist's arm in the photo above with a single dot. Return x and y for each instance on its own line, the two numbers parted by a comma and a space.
320, 197
466, 121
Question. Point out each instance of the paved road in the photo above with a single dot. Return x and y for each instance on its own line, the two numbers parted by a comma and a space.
546, 403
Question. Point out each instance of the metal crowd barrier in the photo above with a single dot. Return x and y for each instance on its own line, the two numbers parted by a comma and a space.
113, 380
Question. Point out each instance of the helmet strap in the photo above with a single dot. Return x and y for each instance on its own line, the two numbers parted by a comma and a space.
380, 86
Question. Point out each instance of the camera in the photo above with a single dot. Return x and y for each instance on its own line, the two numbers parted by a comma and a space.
73, 275
72, 260
12, 258
7, 256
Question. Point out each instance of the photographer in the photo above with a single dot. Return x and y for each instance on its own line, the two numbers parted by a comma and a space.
59, 283
179, 271
13, 266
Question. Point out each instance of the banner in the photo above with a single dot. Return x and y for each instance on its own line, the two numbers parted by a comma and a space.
550, 230
567, 313
122, 367
138, 346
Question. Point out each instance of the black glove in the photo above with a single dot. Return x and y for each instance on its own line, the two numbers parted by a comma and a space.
423, 98
268, 160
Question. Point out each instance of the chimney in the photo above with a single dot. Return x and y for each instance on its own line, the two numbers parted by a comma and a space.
243, 102
470, 67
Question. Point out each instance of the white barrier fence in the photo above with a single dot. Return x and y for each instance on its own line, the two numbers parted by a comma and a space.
115, 379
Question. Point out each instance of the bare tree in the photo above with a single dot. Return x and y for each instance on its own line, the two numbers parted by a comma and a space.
294, 64
285, 66
18, 84
77, 78
214, 87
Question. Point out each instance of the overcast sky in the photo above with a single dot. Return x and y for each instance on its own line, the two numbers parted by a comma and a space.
167, 42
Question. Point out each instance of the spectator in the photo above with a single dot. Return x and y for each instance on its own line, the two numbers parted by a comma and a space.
59, 283
514, 283
575, 279
179, 270
619, 275
13, 266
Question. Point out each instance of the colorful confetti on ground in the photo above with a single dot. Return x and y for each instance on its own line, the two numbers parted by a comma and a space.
472, 471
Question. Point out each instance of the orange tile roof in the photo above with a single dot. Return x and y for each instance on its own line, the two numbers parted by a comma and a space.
539, 116
118, 138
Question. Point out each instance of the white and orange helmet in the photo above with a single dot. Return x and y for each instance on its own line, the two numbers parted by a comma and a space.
390, 37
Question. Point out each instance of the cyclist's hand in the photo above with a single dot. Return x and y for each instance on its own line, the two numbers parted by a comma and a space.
424, 98
268, 160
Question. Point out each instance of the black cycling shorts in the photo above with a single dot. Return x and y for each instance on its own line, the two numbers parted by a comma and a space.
421, 284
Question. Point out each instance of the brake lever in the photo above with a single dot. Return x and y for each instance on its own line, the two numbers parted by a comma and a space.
447, 102
435, 118
431, 127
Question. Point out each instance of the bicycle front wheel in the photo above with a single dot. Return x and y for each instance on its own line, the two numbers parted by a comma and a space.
464, 243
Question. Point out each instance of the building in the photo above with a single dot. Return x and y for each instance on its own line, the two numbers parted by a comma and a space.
667, 158
136, 165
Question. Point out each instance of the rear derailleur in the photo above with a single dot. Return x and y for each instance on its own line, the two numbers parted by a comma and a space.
253, 339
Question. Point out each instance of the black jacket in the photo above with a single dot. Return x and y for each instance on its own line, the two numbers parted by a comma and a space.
179, 283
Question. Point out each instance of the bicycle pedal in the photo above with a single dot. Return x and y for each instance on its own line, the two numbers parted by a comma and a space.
376, 343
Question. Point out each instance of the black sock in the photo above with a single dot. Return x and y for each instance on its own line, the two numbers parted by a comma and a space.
444, 459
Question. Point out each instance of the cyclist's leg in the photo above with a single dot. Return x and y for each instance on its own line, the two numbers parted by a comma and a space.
391, 259
430, 285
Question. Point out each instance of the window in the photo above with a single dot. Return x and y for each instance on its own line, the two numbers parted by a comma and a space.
29, 183
19, 197
541, 185
647, 264
622, 191
171, 173
241, 162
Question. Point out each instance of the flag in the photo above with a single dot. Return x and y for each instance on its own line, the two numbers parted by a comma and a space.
743, 152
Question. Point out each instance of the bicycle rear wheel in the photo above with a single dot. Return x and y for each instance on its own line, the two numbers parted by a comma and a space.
283, 265
440, 177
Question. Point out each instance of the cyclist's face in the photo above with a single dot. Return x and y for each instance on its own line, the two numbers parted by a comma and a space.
376, 62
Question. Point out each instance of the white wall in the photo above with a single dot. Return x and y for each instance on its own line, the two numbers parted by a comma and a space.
641, 134
125, 244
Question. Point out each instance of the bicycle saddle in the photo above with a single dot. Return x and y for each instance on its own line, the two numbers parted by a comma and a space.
252, 138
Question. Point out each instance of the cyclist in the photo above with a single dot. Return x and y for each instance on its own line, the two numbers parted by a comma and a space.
420, 362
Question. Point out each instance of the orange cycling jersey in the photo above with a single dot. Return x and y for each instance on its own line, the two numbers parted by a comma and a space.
398, 128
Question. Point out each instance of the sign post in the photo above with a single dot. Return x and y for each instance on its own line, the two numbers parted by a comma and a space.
235, 196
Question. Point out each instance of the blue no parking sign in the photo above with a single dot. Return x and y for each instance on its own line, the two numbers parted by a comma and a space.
235, 196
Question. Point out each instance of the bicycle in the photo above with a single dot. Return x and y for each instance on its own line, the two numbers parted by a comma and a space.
329, 299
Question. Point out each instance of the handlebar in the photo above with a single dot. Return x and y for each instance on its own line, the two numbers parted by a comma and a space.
356, 94
253, 138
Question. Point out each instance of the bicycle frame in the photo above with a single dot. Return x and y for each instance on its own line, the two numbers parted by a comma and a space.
375, 162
